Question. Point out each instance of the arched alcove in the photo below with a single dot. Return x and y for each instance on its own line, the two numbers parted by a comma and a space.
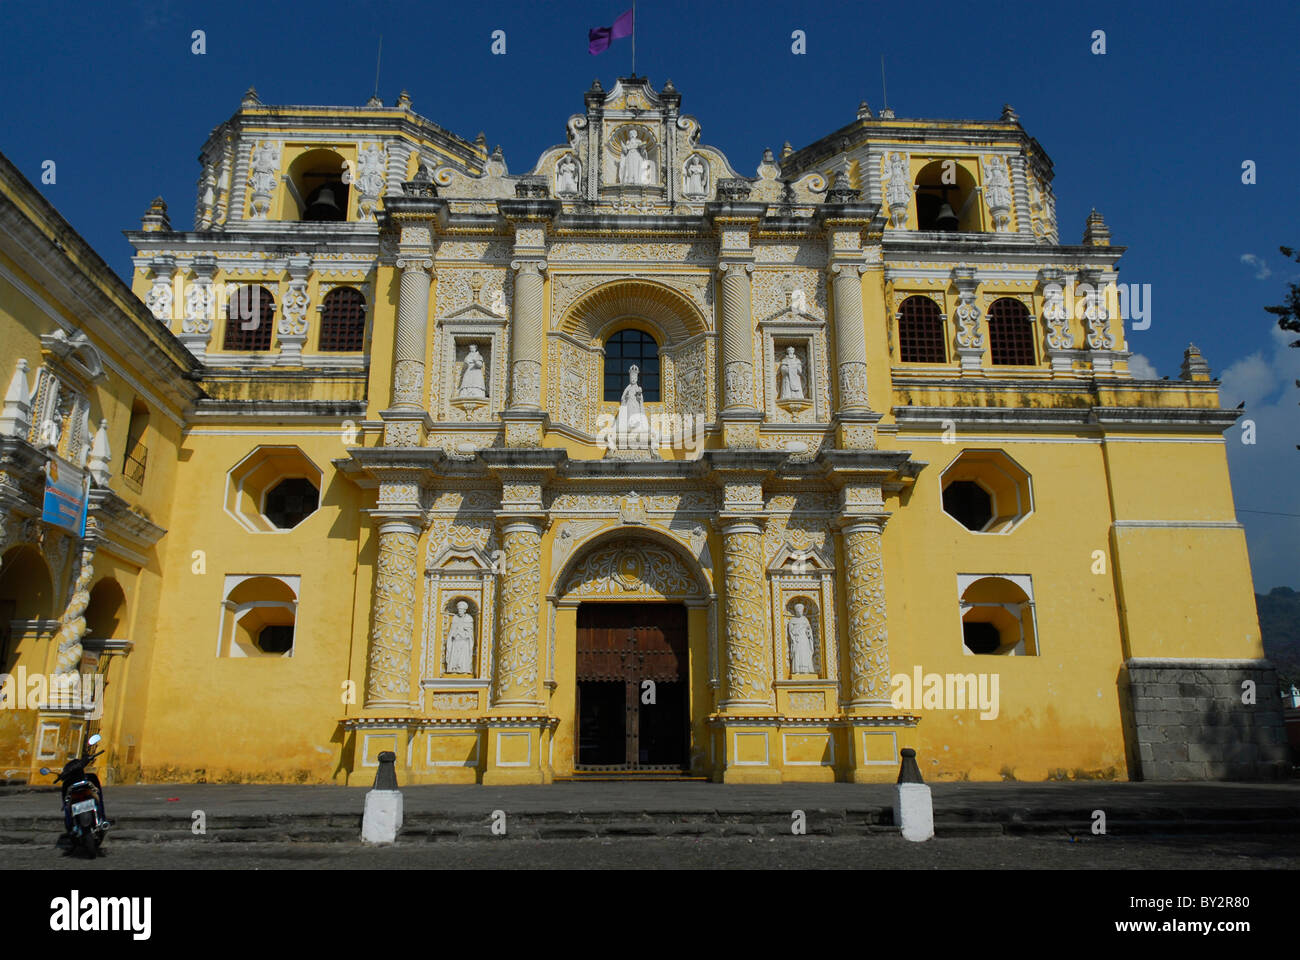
106, 612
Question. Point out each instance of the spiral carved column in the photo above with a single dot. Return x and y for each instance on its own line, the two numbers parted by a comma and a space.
865, 590
409, 339
392, 616
515, 664
748, 652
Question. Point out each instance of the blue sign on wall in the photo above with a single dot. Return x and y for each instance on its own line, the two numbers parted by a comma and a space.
65, 497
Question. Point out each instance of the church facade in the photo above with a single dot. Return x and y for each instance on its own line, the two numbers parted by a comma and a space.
636, 465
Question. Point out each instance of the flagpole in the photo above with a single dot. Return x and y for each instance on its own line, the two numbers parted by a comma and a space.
634, 38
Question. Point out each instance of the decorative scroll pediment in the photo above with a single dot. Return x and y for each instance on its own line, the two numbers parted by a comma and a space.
799, 561
631, 568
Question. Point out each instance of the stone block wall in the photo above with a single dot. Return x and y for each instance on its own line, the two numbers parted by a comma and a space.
1191, 723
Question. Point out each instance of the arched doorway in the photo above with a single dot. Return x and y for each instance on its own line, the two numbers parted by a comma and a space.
632, 677
633, 612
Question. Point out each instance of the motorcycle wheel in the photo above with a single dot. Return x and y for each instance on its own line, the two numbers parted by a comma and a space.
88, 845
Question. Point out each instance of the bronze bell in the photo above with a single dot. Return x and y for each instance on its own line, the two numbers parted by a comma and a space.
324, 206
946, 220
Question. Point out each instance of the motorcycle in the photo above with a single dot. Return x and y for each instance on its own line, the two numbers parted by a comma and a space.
83, 801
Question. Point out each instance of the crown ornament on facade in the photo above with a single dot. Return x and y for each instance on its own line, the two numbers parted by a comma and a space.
733, 189
1195, 366
1009, 115
864, 111
840, 191
403, 101
250, 98
421, 185
155, 219
375, 101
1095, 231
532, 188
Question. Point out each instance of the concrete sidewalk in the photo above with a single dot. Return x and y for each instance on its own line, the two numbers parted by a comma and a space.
153, 813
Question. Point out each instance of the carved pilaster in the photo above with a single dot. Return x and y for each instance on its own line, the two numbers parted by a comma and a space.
970, 338
515, 664
1056, 320
392, 616
292, 327
161, 298
864, 578
1097, 294
200, 307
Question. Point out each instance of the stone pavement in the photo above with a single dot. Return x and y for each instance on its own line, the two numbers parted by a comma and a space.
265, 813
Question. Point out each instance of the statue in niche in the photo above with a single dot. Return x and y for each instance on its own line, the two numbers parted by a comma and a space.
800, 633
472, 382
791, 376
632, 422
566, 175
635, 167
458, 646
696, 178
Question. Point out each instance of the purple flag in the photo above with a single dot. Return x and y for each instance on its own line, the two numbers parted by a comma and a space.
598, 38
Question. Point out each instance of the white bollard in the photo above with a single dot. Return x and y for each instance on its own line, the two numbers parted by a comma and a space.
913, 811
913, 807
383, 815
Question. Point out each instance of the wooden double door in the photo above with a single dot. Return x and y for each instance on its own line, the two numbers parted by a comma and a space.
633, 688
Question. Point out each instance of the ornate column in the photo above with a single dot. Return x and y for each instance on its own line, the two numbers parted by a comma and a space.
529, 213
850, 335
526, 334
392, 616
515, 663
1099, 296
846, 221
868, 645
416, 264
748, 648
737, 337
735, 220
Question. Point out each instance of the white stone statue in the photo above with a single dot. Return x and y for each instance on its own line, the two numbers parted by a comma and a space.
697, 178
632, 165
472, 383
632, 420
458, 646
899, 190
800, 633
997, 186
566, 175
791, 374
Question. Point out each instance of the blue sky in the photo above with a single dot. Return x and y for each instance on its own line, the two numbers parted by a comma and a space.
1153, 133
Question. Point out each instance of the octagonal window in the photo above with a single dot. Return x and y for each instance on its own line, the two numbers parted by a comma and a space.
986, 491
290, 502
273, 489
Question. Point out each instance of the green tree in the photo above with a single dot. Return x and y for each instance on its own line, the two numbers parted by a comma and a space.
1288, 313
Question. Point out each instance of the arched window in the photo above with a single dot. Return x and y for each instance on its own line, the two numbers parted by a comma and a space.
627, 349
1011, 333
343, 320
250, 314
920, 331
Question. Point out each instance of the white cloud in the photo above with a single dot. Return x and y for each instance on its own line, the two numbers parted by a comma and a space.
1262, 271
1142, 368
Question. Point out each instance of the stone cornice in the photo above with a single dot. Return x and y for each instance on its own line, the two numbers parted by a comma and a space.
1160, 419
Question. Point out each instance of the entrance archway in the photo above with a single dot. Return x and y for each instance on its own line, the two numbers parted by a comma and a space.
633, 658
